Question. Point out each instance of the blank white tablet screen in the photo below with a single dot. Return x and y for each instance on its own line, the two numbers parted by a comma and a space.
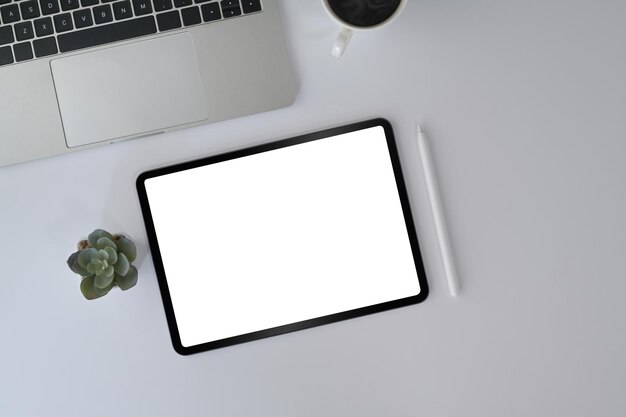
282, 236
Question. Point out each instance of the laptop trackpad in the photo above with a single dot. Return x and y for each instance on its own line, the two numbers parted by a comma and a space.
129, 90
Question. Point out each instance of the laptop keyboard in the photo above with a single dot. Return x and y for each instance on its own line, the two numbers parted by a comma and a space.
32, 29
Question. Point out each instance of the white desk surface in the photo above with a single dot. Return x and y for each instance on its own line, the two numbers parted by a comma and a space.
525, 106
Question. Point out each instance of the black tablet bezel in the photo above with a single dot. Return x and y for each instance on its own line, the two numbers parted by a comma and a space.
158, 262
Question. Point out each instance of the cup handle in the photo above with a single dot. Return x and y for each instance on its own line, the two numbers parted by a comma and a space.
342, 42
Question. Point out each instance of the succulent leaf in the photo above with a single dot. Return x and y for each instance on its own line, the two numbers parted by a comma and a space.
102, 281
104, 255
86, 287
109, 271
122, 265
127, 281
112, 255
104, 291
90, 291
127, 247
99, 265
86, 256
104, 242
72, 262
97, 234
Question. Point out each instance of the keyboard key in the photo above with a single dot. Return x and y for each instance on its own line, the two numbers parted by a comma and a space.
63, 22
45, 47
6, 35
229, 3
30, 9
6, 56
191, 16
49, 7
82, 18
182, 3
102, 14
211, 12
24, 31
122, 10
100, 35
23, 51
10, 13
201, 1
251, 6
231, 12
43, 26
169, 21
160, 5
4, 2
142, 7
86, 3
69, 5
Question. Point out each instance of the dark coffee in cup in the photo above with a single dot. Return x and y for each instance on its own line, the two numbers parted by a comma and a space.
364, 13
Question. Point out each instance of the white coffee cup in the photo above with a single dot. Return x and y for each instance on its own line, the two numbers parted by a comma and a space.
347, 28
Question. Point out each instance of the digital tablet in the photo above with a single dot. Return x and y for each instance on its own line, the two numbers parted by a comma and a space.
283, 236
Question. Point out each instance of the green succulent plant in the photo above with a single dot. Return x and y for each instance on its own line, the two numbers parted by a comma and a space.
104, 260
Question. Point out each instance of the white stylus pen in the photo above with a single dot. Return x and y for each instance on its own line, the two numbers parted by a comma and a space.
435, 203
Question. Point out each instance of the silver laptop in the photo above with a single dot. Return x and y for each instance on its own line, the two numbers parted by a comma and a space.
80, 73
